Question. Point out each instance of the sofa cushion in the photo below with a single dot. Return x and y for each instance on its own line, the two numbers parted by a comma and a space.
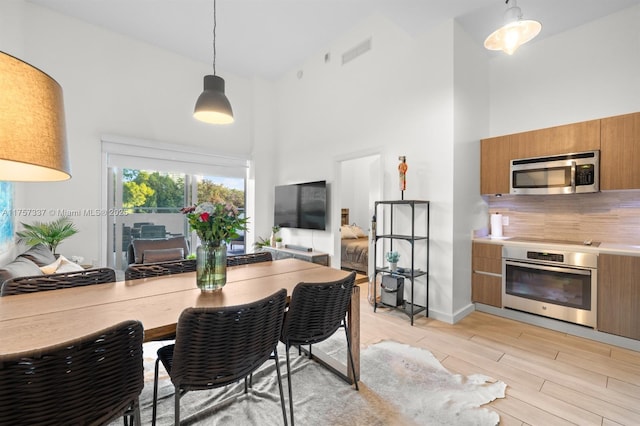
21, 267
162, 255
39, 254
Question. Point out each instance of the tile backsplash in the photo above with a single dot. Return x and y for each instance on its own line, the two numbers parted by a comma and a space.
610, 216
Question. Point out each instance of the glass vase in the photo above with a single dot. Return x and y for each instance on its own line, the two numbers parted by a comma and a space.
211, 266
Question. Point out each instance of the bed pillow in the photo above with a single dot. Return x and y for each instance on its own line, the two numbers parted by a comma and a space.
359, 233
62, 264
347, 233
21, 267
162, 255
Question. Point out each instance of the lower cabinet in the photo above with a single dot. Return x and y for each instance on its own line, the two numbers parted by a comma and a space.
619, 295
486, 277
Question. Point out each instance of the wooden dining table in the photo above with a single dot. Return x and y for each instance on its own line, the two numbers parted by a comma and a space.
37, 320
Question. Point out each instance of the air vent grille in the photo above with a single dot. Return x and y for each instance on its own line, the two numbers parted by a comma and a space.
356, 51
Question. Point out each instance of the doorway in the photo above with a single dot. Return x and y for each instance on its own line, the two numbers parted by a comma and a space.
358, 185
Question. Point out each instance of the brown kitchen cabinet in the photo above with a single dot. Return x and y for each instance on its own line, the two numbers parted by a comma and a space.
619, 295
620, 152
494, 165
486, 278
569, 138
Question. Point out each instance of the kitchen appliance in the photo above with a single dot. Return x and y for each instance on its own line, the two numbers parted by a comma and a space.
558, 174
560, 284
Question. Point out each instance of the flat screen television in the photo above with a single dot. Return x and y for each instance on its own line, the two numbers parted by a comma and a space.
301, 205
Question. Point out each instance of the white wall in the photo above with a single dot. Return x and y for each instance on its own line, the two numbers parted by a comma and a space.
114, 85
354, 193
590, 72
397, 96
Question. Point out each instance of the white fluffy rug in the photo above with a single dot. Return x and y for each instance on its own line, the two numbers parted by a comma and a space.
399, 384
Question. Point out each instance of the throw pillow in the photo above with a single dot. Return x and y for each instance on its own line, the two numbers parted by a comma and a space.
21, 267
62, 264
39, 254
162, 255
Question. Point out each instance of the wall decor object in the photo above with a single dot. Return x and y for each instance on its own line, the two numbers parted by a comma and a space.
6, 216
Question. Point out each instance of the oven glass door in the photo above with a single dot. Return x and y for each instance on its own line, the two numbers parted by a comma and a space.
560, 286
544, 177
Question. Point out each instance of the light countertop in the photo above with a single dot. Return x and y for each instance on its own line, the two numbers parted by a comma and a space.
604, 247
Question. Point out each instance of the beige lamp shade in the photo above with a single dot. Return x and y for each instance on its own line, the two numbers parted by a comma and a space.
33, 141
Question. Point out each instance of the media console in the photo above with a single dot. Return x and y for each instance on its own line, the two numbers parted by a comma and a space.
309, 256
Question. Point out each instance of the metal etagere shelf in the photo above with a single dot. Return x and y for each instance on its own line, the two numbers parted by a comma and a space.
385, 210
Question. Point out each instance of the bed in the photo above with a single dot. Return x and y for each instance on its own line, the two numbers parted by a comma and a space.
354, 246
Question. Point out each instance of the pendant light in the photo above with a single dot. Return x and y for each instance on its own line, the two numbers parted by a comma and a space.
33, 138
212, 105
515, 31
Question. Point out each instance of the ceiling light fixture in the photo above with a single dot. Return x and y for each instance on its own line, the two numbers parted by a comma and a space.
33, 139
212, 105
515, 31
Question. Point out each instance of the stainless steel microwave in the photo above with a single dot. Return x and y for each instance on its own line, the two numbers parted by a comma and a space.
557, 174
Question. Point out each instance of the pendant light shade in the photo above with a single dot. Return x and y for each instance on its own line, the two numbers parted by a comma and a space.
33, 140
515, 31
212, 105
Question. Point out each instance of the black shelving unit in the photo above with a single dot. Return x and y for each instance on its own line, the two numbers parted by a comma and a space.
386, 210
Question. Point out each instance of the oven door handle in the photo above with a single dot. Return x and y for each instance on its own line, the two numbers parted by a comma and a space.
532, 265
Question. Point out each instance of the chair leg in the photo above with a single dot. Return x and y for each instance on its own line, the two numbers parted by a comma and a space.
353, 367
155, 393
282, 403
176, 408
289, 383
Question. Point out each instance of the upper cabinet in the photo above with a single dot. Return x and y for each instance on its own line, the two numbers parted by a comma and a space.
620, 152
494, 165
617, 138
577, 137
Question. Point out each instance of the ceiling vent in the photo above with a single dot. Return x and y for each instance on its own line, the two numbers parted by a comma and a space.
356, 51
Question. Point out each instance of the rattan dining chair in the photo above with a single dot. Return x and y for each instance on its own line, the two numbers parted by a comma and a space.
87, 381
145, 270
215, 347
315, 313
31, 284
245, 259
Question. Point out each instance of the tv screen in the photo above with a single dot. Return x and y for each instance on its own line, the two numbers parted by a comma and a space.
302, 205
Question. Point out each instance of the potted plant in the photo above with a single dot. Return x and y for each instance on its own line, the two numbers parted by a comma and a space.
260, 243
278, 242
51, 234
392, 258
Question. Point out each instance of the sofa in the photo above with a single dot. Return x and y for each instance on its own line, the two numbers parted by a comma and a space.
36, 268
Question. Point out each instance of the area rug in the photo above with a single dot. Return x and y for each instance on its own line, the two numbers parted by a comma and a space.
400, 385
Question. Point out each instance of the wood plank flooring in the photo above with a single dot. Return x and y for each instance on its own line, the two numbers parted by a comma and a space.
552, 378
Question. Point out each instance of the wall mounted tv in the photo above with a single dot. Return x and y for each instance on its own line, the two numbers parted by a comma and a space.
301, 205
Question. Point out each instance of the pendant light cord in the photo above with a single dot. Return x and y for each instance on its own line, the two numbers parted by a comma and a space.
214, 37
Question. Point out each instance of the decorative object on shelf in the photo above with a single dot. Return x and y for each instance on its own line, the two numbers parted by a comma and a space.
32, 124
51, 234
402, 169
274, 231
515, 31
216, 225
278, 242
212, 105
392, 258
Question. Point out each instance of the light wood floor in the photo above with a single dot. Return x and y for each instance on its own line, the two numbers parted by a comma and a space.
552, 378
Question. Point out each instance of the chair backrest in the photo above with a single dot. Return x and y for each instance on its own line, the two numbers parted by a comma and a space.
245, 259
316, 310
137, 248
153, 231
35, 283
218, 346
146, 270
90, 380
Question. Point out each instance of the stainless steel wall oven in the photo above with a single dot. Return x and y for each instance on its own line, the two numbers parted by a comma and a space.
554, 283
